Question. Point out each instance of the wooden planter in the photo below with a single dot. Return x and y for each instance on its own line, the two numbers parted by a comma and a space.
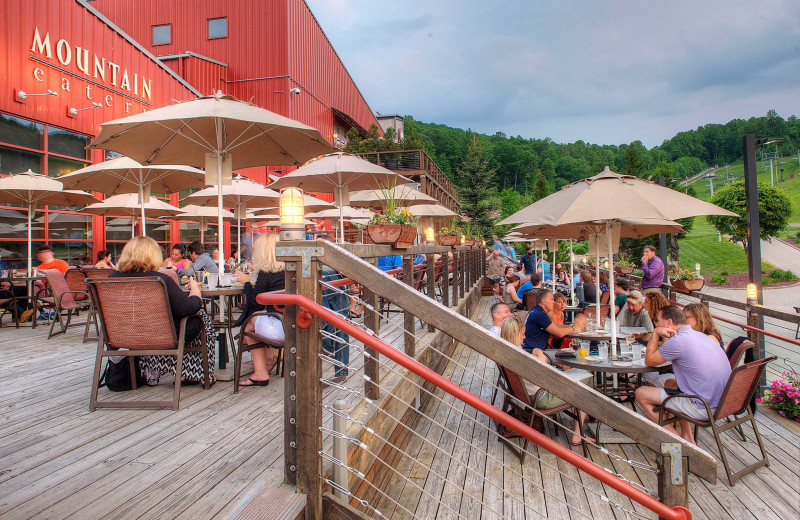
469, 242
623, 270
687, 286
448, 240
399, 235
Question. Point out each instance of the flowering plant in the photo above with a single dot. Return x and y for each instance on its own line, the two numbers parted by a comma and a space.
451, 230
682, 274
625, 262
396, 216
783, 395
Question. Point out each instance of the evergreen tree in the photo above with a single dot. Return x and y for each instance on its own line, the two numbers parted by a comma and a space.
634, 163
476, 188
540, 189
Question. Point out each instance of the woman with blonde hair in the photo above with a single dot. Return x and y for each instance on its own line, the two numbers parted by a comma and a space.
141, 257
511, 331
699, 319
653, 303
270, 276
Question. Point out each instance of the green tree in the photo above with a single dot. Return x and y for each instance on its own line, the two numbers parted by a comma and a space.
540, 189
476, 188
411, 139
774, 208
509, 202
634, 162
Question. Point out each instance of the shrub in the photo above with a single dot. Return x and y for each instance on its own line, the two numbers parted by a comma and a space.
779, 275
719, 279
783, 395
724, 273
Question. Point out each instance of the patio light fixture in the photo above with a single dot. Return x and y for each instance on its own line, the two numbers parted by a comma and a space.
292, 214
752, 293
429, 234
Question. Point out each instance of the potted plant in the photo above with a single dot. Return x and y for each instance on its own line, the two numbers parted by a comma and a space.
395, 225
624, 266
592, 261
782, 396
468, 238
685, 281
449, 235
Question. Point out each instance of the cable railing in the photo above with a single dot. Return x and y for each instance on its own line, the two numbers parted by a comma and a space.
415, 421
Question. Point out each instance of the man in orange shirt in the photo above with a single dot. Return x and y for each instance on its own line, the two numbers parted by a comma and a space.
46, 256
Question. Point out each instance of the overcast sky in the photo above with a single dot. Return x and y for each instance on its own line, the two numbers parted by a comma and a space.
606, 72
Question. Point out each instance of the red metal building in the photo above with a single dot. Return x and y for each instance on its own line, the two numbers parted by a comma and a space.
132, 55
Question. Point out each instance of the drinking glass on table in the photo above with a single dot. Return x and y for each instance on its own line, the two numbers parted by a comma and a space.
584, 348
602, 350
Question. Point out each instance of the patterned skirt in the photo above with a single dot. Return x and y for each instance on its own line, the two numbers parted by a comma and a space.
153, 367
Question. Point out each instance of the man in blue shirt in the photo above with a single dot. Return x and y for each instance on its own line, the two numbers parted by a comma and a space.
544, 268
539, 327
387, 263
528, 262
510, 252
535, 282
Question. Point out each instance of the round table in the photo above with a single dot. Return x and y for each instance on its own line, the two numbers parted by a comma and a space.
592, 335
226, 325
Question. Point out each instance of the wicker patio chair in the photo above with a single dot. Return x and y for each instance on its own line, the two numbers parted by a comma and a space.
514, 393
62, 298
93, 273
136, 320
76, 280
734, 403
740, 353
261, 342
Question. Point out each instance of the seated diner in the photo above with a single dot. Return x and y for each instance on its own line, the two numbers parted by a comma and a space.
539, 327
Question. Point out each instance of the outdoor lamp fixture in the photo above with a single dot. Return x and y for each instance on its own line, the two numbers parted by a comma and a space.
752, 293
429, 234
697, 269
72, 112
20, 96
462, 240
292, 214
605, 264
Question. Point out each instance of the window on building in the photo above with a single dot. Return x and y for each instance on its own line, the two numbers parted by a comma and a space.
162, 34
217, 28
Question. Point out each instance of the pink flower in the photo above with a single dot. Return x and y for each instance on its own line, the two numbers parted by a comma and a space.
759, 400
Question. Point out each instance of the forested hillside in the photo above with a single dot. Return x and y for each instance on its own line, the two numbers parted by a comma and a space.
517, 160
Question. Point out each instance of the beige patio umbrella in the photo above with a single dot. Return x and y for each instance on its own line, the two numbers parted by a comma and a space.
127, 205
310, 204
217, 132
432, 211
203, 215
338, 173
124, 175
241, 193
32, 189
347, 213
401, 195
606, 198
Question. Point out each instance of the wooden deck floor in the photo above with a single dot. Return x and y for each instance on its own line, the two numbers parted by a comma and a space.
58, 460
772, 492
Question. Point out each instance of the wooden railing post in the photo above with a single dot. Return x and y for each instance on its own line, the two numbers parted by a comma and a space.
431, 274
372, 319
673, 475
409, 336
456, 269
309, 396
461, 277
290, 380
445, 281
756, 321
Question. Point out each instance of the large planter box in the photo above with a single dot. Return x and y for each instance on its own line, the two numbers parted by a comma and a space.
448, 240
687, 286
399, 235
625, 271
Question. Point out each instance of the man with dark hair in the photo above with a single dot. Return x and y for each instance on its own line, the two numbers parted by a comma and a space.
527, 263
620, 294
700, 368
589, 289
47, 259
499, 312
535, 282
653, 269
539, 327
201, 261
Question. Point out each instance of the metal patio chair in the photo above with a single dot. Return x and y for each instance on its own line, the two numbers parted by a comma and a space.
733, 408
261, 342
136, 320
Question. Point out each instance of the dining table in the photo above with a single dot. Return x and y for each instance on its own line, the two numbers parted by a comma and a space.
225, 322
30, 281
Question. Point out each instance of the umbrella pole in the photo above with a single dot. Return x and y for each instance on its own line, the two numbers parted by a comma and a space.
597, 277
571, 275
553, 267
341, 216
220, 229
202, 233
30, 258
133, 226
141, 202
611, 289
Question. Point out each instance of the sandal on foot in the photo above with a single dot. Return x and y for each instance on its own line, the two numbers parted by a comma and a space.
253, 382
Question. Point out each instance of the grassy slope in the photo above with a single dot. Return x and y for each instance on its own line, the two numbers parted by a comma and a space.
701, 246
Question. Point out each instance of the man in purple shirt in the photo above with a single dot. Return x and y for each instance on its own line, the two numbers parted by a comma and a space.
700, 367
653, 269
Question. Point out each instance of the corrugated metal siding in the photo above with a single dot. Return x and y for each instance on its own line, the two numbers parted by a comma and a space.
266, 38
69, 21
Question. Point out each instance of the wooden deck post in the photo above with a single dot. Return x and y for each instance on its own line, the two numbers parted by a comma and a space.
445, 280
372, 319
673, 477
431, 268
308, 396
456, 268
409, 336
461, 278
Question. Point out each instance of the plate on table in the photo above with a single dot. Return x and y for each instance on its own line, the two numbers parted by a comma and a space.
622, 363
593, 359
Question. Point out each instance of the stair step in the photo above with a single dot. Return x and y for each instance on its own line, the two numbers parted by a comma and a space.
281, 503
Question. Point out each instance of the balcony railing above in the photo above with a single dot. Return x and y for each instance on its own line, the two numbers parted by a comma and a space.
418, 165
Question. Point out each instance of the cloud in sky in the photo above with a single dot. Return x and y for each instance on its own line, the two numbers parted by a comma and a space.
606, 72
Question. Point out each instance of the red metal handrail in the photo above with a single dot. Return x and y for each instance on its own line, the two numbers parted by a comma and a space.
662, 510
